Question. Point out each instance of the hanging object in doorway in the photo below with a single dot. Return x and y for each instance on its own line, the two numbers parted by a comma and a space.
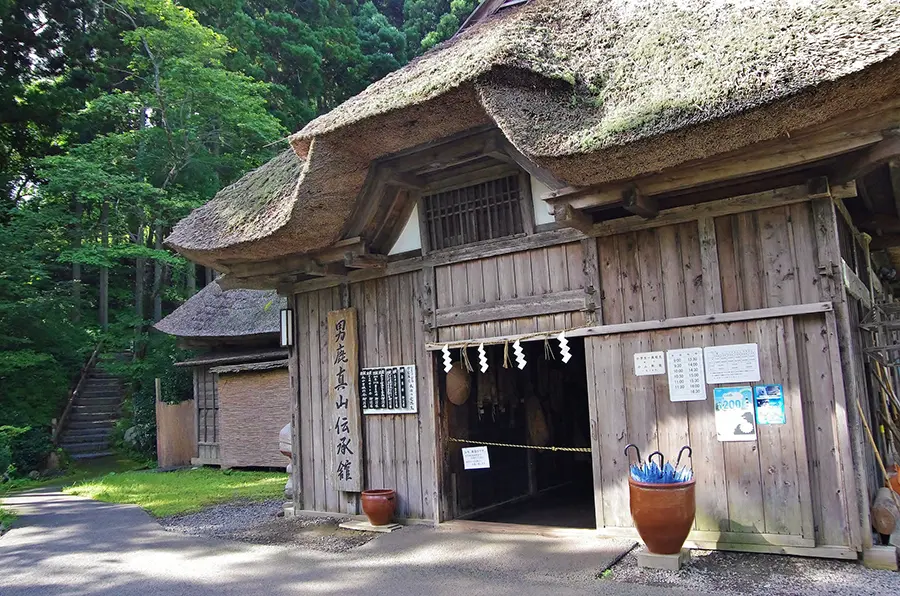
448, 364
459, 384
520, 355
482, 358
564, 347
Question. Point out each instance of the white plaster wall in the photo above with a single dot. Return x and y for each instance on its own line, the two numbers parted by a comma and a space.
541, 208
409, 238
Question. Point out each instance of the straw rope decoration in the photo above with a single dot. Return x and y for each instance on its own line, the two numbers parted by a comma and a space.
506, 361
544, 448
548, 351
464, 352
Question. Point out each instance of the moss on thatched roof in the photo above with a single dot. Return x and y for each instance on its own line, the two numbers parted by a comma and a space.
594, 91
213, 312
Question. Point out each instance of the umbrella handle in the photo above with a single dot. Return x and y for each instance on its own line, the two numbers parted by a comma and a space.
636, 450
690, 455
662, 458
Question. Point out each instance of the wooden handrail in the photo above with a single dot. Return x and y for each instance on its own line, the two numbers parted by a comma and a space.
60, 424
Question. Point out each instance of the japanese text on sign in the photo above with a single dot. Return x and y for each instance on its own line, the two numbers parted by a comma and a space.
737, 363
649, 363
346, 444
686, 374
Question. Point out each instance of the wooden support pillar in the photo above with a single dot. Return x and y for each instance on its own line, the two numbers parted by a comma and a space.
294, 380
831, 287
709, 265
437, 486
591, 267
640, 204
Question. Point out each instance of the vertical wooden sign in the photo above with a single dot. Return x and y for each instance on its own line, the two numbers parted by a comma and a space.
343, 393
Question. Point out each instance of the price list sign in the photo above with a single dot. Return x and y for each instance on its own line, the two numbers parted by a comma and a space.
686, 382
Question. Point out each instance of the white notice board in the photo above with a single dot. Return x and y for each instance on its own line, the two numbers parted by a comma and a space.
475, 458
736, 363
686, 374
649, 363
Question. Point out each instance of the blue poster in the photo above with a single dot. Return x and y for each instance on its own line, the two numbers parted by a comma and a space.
769, 404
734, 414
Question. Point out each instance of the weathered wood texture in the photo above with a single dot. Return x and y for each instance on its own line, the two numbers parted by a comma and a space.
498, 289
782, 489
176, 435
206, 399
253, 407
399, 449
343, 412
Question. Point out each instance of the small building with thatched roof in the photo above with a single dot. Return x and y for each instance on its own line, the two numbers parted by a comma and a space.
241, 384
581, 224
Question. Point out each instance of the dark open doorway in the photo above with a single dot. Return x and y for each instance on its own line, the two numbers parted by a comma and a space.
544, 405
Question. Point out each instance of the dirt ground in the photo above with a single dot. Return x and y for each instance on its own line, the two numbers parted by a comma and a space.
739, 574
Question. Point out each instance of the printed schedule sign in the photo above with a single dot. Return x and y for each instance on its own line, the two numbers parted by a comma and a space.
686, 374
737, 363
649, 363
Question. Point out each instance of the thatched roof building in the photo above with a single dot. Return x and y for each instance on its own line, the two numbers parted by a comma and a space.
592, 90
213, 313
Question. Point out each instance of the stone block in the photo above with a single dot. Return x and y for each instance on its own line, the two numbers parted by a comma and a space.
364, 526
666, 562
881, 557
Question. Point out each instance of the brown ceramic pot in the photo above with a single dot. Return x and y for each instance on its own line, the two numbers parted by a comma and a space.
378, 505
663, 514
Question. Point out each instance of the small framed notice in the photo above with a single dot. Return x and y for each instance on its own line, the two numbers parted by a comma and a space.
686, 374
736, 363
649, 363
476, 458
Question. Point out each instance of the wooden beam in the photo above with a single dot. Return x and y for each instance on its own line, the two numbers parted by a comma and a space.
528, 306
636, 202
405, 180
641, 326
782, 155
299, 263
566, 215
536, 171
369, 261
876, 155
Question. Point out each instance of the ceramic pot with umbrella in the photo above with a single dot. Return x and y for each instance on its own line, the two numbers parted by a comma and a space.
663, 502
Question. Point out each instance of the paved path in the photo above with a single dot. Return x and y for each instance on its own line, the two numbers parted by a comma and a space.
70, 546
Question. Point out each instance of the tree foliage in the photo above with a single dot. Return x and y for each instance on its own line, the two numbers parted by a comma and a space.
117, 117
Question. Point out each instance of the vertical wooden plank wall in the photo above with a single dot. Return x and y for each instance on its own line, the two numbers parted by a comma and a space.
399, 449
751, 260
531, 273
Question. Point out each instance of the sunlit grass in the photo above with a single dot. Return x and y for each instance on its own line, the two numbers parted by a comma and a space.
78, 471
184, 491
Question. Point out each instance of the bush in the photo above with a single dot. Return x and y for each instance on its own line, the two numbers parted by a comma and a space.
23, 449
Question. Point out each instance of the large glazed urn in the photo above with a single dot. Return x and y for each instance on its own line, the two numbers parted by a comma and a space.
663, 514
378, 505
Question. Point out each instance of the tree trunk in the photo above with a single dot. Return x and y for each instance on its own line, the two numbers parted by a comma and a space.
76, 267
157, 275
104, 271
140, 266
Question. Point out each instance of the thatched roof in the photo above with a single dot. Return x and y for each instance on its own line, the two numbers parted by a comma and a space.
212, 312
593, 90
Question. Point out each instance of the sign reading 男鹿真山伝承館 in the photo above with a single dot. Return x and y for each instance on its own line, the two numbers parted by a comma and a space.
343, 392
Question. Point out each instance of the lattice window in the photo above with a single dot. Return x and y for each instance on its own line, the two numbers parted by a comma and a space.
474, 213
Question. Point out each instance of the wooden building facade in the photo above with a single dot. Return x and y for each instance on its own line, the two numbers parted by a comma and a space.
449, 220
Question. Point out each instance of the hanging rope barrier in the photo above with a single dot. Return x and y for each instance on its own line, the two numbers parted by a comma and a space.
575, 449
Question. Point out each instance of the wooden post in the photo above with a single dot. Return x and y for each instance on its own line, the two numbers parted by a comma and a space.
591, 268
294, 380
440, 499
831, 286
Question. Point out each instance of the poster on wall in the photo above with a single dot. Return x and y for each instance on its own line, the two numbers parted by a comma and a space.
769, 404
736, 363
476, 458
734, 414
649, 363
686, 374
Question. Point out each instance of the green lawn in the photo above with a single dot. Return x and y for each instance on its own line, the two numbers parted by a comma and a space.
184, 491
6, 518
78, 471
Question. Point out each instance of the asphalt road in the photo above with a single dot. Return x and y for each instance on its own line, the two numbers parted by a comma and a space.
70, 546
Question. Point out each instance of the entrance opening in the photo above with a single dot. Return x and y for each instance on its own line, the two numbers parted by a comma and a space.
510, 410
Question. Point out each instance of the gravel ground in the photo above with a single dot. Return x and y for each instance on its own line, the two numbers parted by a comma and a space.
739, 574
264, 523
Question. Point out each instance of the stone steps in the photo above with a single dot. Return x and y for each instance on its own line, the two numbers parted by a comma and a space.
93, 415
